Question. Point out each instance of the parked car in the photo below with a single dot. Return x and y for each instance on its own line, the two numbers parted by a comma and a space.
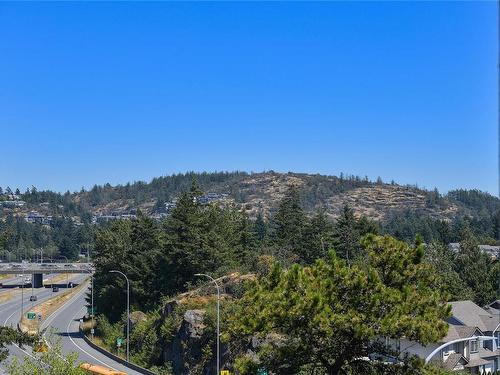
33, 298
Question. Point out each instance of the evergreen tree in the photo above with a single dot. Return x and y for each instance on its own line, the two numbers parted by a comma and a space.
474, 268
260, 227
289, 224
318, 238
442, 258
346, 240
328, 315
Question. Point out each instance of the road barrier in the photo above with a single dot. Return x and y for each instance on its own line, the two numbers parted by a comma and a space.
115, 357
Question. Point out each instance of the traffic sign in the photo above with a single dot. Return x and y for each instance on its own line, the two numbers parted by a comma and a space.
39, 317
119, 342
31, 315
224, 372
262, 371
90, 311
92, 331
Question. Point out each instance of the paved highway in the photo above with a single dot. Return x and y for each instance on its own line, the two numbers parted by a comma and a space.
63, 322
66, 322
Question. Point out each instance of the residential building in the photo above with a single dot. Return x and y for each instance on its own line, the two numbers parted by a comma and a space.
466, 346
12, 203
492, 251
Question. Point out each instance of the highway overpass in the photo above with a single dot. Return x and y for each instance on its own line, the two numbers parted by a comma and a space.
38, 269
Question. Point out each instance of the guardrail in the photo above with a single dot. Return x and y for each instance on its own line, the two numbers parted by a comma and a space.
131, 365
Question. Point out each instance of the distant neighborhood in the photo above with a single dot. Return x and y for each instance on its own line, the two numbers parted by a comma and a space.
12, 201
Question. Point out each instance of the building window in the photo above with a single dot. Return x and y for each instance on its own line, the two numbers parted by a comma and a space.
473, 346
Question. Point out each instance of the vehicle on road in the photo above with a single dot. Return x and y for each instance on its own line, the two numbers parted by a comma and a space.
100, 370
55, 289
33, 298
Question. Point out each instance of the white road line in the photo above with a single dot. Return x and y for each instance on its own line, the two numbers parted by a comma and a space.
73, 341
52, 316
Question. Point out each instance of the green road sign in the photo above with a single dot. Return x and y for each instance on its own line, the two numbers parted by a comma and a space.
90, 311
119, 342
31, 315
262, 371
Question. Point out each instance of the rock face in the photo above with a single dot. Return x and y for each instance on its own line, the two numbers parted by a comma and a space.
192, 349
185, 352
137, 317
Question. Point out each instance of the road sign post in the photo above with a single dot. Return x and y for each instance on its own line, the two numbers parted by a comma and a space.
91, 310
31, 315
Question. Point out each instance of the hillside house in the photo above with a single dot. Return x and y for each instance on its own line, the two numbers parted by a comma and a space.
492, 251
466, 346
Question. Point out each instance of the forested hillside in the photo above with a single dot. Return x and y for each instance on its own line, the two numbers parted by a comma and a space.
314, 277
63, 224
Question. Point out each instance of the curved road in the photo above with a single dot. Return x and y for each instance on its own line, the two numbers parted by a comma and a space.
64, 323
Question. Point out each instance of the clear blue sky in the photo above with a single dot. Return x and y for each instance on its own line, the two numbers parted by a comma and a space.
116, 92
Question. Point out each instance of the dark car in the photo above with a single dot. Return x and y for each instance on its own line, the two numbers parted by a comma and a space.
55, 289
33, 298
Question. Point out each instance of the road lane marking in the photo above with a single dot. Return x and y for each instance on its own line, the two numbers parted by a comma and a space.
52, 316
83, 350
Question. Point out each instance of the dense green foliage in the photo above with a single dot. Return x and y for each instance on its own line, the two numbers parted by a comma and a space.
22, 240
351, 282
330, 315
9, 336
53, 362
361, 282
479, 210
161, 259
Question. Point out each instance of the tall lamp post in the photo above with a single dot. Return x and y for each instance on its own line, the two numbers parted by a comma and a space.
92, 303
22, 290
128, 308
218, 315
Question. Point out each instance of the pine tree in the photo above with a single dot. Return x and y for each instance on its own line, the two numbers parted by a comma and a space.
328, 315
474, 267
289, 224
346, 236
260, 227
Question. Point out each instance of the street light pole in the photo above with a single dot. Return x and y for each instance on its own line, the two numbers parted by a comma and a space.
218, 315
33, 290
22, 293
92, 303
128, 308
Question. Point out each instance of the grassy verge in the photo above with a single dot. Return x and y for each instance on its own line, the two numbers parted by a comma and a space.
46, 308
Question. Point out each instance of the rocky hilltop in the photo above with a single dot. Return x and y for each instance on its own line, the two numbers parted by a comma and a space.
254, 193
